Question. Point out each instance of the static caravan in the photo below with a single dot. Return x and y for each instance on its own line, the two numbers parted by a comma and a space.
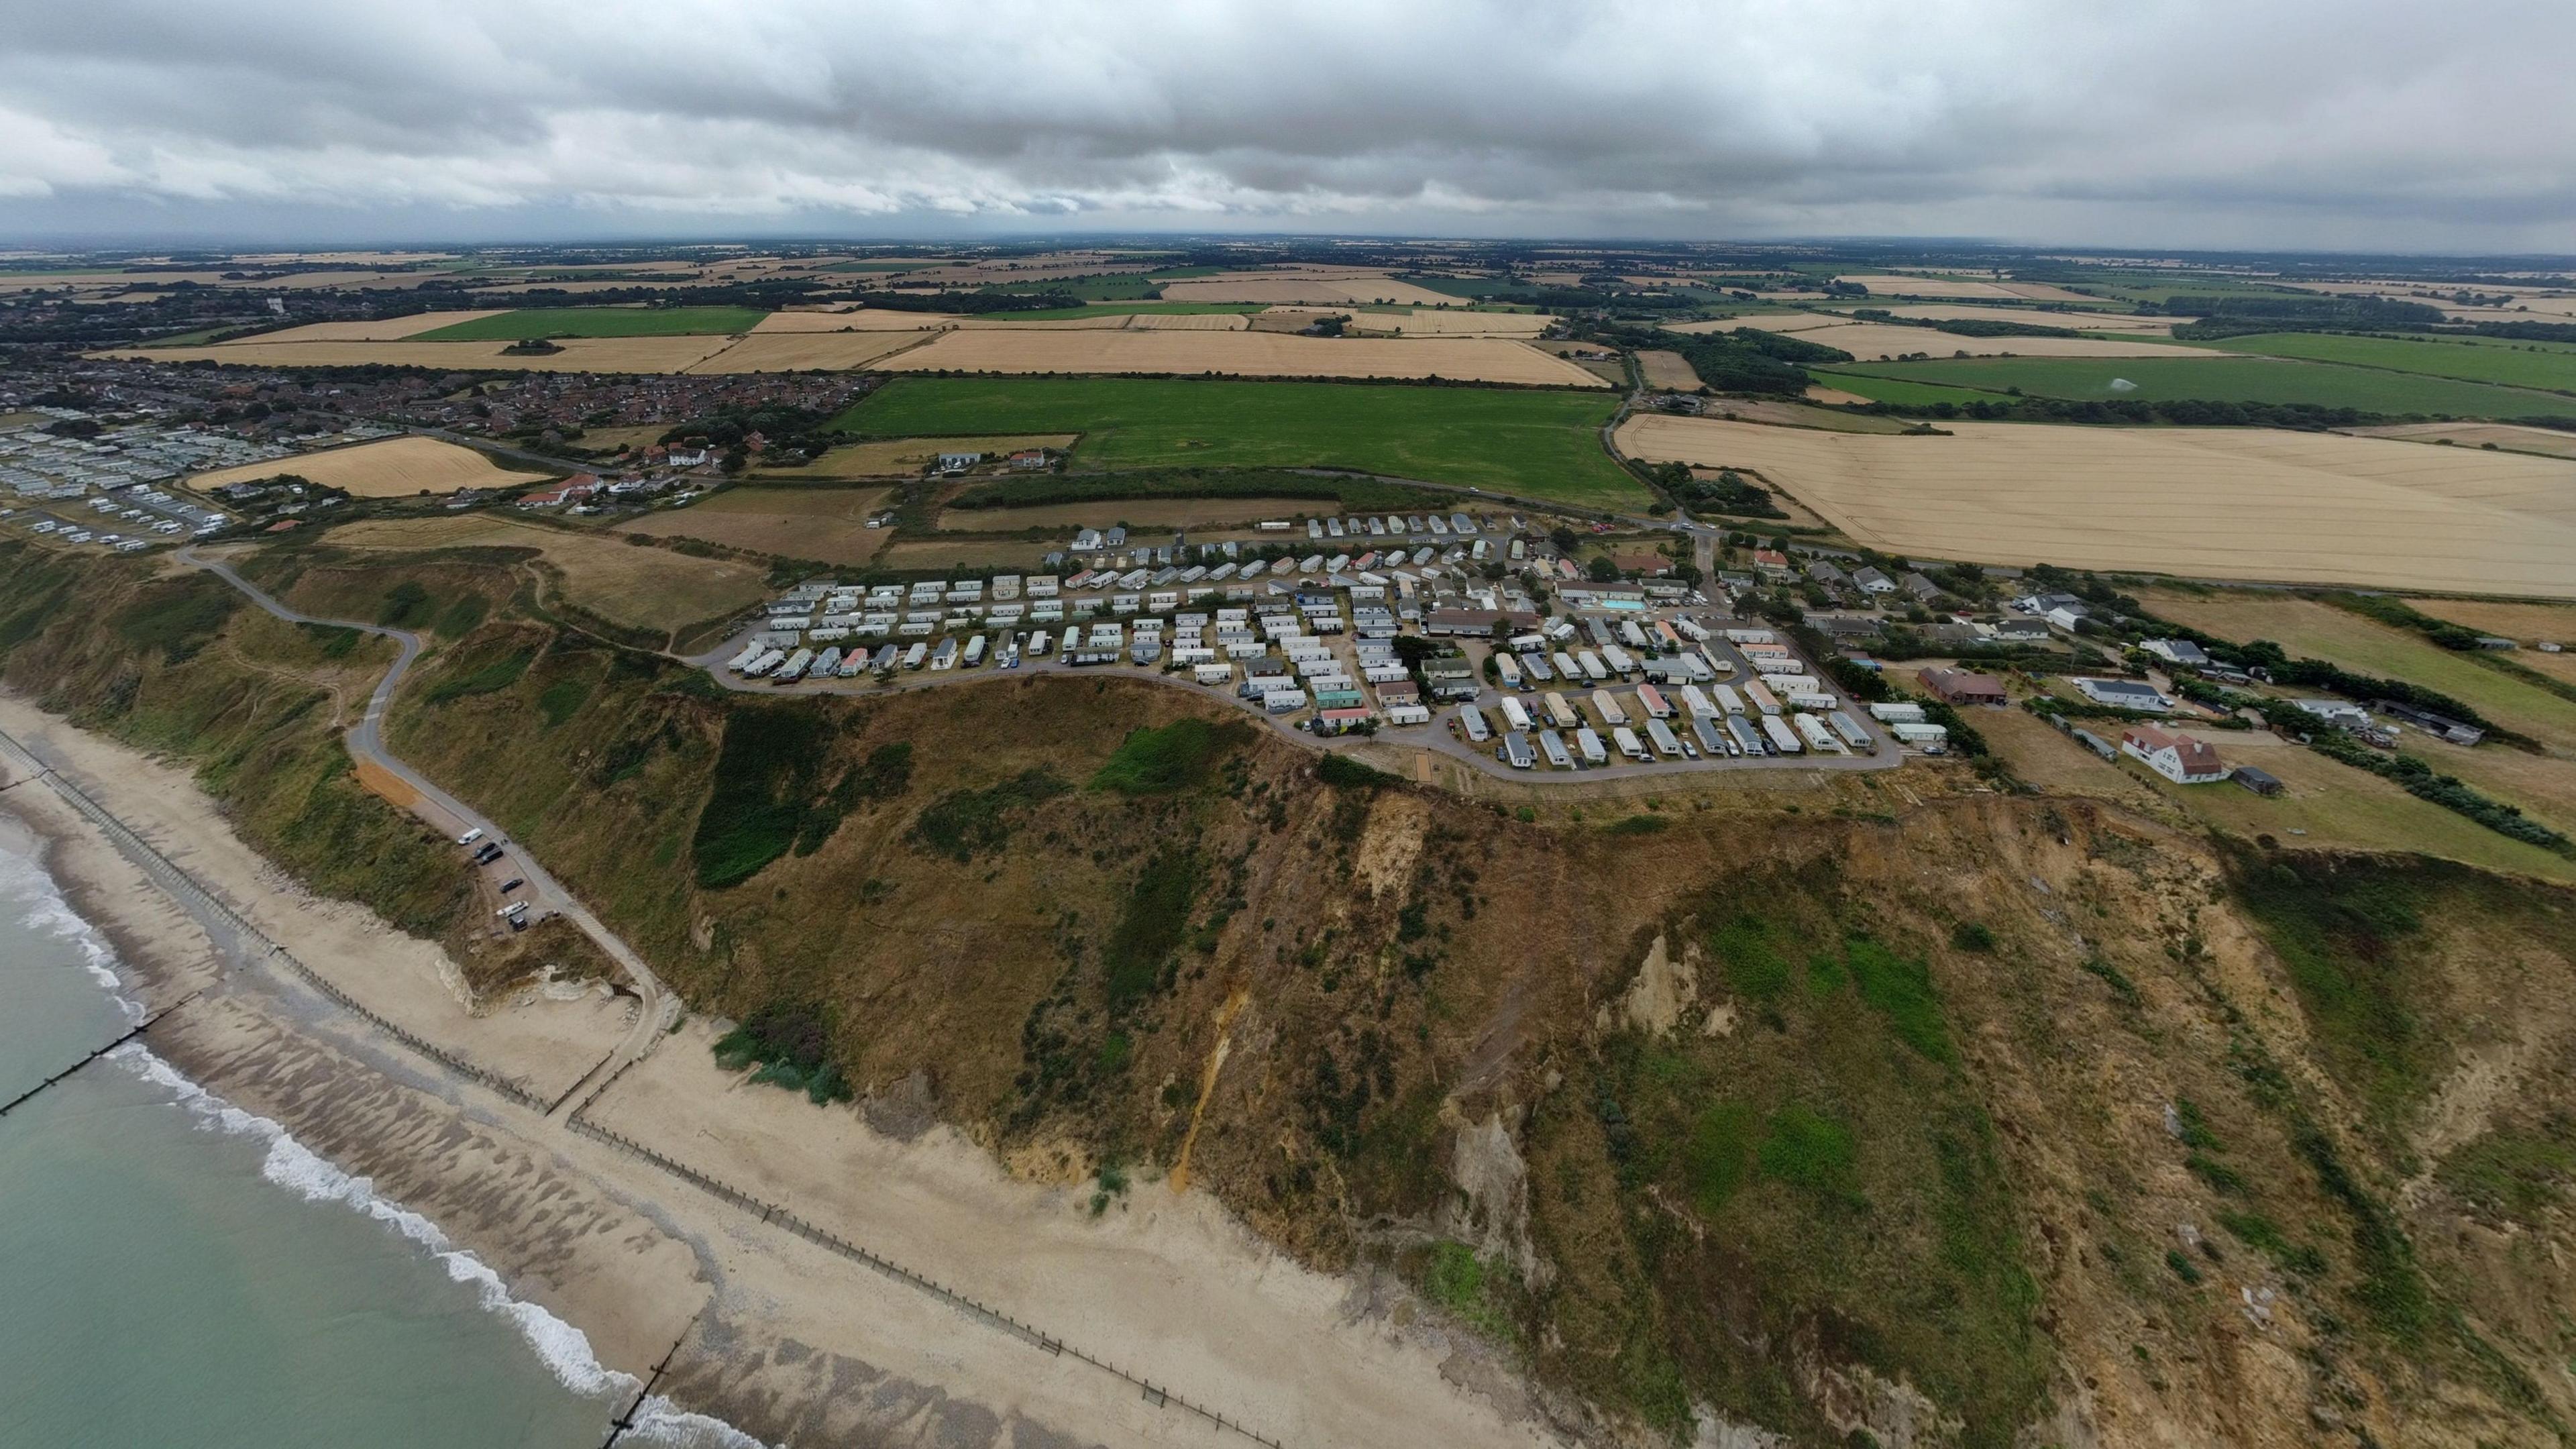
1515, 715
887, 660
1552, 745
1626, 739
1761, 699
1901, 713
1407, 714
1813, 731
1508, 670
1621, 662
1712, 740
945, 656
916, 656
794, 668
1535, 665
1566, 668
1606, 705
1216, 674
1653, 700
1559, 713
1747, 738
1284, 701
1920, 735
1472, 720
1696, 700
1592, 669
1783, 739
1516, 751
1811, 699
1853, 732
1662, 736
1590, 744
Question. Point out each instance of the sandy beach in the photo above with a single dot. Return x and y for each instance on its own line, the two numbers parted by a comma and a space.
788, 1340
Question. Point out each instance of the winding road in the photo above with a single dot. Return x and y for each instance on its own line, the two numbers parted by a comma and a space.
453, 817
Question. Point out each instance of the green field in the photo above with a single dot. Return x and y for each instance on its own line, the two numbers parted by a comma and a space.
599, 322
2550, 365
2213, 379
1541, 445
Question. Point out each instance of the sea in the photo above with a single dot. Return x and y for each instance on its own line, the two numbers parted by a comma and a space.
177, 1271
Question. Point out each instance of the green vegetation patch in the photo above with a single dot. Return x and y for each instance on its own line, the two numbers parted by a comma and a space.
1174, 757
2513, 1174
964, 823
1345, 773
1902, 991
1138, 956
490, 677
1754, 964
1470, 1289
2549, 366
533, 322
1526, 442
179, 617
2216, 378
2342, 927
792, 1047
763, 796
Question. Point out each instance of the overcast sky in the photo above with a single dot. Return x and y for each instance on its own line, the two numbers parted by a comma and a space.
2342, 124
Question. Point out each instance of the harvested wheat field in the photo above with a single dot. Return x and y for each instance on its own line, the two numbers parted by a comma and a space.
1424, 322
2072, 321
1005, 322
390, 468
1189, 322
2548, 442
864, 320
387, 329
820, 523
1879, 341
1316, 285
579, 354
1766, 321
904, 457
1242, 354
2236, 503
801, 351
1667, 370
636, 585
1965, 288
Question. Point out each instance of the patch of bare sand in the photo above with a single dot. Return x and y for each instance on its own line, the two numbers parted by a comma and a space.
546, 1044
1164, 1280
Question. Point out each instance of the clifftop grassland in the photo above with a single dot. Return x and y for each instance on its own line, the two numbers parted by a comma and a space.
1937, 1116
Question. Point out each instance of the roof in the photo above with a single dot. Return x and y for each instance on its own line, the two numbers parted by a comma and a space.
2198, 758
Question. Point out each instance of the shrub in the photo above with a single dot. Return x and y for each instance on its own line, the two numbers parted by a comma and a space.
1160, 761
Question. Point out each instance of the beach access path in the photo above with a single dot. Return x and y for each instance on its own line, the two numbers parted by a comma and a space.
452, 817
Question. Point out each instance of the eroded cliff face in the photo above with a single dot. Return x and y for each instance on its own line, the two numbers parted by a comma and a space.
1889, 1107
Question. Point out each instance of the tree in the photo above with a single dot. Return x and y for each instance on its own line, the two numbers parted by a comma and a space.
1602, 570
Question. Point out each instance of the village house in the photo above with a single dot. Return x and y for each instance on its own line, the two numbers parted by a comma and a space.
1959, 686
2177, 757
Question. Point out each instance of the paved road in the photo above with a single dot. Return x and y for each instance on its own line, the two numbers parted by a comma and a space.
451, 816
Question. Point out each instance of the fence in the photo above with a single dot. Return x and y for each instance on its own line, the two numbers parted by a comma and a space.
178, 882
778, 1216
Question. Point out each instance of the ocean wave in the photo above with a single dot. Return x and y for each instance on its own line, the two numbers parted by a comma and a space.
564, 1349
659, 1421
44, 907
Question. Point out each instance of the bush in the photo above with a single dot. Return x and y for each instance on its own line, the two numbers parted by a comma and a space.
178, 618
1343, 772
1160, 761
1972, 936
1903, 991
964, 822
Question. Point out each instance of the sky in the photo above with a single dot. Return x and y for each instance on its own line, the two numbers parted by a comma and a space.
2363, 125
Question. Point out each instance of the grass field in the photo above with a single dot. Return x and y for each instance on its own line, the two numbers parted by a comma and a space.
600, 322
1542, 445
635, 585
826, 525
2546, 365
2322, 631
2214, 379
391, 468
2233, 503
904, 457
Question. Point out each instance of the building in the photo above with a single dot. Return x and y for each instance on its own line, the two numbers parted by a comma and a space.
2439, 725
2176, 651
1826, 573
1771, 563
1922, 588
2122, 694
2335, 713
1959, 686
2177, 757
1874, 581
1643, 562
958, 462
2261, 782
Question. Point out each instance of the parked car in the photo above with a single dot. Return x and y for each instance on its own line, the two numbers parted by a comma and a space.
471, 836
513, 883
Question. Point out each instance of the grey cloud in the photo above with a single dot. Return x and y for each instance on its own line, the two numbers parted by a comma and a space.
2297, 122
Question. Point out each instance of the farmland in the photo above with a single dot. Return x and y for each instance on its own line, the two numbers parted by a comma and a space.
600, 322
580, 354
1667, 370
2318, 630
904, 457
2239, 503
1532, 444
2546, 365
392, 468
1877, 341
636, 586
1248, 354
2213, 379
822, 523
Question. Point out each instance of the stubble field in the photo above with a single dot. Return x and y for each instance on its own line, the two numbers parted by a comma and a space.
821, 523
2238, 503
390, 468
1242, 354
635, 585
